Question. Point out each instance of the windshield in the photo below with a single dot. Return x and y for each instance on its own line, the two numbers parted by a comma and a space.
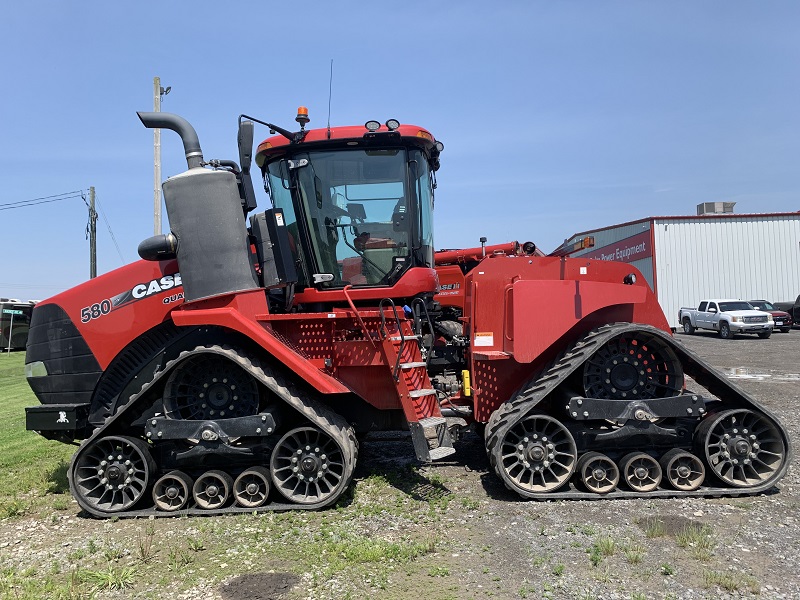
367, 213
762, 305
729, 306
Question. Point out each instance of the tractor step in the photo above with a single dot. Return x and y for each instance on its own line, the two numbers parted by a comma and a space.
431, 439
413, 365
421, 393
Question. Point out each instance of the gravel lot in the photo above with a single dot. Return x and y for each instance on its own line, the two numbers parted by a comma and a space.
488, 543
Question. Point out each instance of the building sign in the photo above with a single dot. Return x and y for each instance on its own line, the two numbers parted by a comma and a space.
8, 311
628, 250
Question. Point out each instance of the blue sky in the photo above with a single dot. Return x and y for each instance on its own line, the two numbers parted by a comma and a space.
557, 117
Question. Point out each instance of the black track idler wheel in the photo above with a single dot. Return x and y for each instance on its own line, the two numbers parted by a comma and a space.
634, 365
537, 454
309, 467
112, 474
172, 491
208, 387
742, 447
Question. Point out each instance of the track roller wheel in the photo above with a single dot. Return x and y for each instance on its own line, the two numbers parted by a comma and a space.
742, 447
640, 471
634, 365
172, 491
683, 470
251, 488
212, 489
537, 454
308, 466
597, 472
112, 474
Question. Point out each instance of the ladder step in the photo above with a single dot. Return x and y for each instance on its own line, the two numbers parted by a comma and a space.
400, 338
420, 393
429, 422
441, 452
413, 365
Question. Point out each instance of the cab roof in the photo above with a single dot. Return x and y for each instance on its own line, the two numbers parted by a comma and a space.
347, 136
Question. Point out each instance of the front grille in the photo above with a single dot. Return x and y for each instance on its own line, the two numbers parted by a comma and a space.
756, 319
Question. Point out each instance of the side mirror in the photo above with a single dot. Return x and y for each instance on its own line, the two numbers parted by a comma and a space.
712, 310
245, 141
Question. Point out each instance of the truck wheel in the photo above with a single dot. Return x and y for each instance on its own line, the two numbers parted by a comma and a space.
725, 331
785, 329
764, 334
687, 326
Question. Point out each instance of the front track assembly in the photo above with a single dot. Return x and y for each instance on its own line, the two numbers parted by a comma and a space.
115, 473
610, 419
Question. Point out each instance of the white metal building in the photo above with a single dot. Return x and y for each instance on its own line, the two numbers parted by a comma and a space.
719, 255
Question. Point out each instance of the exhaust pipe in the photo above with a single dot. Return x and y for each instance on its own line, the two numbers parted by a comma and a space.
191, 143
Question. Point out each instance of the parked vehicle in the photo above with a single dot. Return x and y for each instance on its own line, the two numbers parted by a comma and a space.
15, 319
783, 320
793, 308
728, 317
200, 385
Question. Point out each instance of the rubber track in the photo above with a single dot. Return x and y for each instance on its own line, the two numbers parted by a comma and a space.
526, 400
317, 414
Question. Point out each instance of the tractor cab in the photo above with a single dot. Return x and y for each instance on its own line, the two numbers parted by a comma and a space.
357, 202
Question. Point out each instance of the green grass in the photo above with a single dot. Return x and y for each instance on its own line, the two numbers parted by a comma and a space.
30, 466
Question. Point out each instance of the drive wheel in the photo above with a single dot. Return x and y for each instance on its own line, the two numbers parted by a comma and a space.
742, 447
765, 335
212, 489
635, 366
207, 386
683, 470
537, 454
309, 467
641, 472
597, 473
172, 491
112, 474
687, 326
725, 331
251, 488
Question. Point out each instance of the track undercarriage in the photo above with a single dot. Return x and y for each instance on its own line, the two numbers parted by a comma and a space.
214, 445
611, 419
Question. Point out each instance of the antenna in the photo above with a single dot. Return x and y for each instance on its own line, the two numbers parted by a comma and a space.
330, 93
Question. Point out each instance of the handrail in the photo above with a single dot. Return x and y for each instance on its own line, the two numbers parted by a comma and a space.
421, 302
396, 371
358, 315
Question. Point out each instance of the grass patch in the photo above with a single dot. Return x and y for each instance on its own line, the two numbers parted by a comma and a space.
731, 581
31, 467
697, 539
654, 527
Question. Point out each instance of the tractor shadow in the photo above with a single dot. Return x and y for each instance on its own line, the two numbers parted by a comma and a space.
57, 482
392, 458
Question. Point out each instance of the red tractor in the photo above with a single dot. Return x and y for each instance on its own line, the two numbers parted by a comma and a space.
233, 368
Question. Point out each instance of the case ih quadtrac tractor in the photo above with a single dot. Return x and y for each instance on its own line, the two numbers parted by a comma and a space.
234, 367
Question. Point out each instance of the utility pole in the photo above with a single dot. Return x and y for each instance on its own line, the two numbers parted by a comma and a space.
158, 92
92, 236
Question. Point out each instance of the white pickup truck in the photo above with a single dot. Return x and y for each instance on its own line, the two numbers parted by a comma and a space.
728, 317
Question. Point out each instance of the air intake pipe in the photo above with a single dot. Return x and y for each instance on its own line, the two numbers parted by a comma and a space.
191, 143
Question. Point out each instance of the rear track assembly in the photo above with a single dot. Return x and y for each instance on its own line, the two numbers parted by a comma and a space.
738, 446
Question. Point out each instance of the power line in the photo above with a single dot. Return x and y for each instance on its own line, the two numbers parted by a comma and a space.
35, 201
111, 233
